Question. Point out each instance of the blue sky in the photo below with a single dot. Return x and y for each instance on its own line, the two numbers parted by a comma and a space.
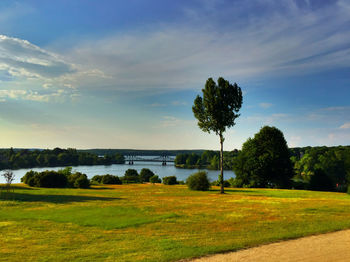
124, 74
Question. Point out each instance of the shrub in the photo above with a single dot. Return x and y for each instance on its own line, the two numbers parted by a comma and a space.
82, 182
155, 179
29, 175
320, 181
53, 179
110, 179
31, 182
169, 180
217, 183
131, 176
145, 175
50, 179
97, 179
298, 183
235, 182
348, 189
198, 181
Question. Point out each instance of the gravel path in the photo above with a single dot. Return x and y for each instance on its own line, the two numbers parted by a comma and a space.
330, 247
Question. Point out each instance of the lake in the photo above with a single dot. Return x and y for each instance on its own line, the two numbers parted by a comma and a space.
119, 170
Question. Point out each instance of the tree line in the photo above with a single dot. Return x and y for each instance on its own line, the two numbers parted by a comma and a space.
25, 158
208, 159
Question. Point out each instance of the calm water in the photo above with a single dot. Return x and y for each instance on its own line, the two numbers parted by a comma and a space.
119, 170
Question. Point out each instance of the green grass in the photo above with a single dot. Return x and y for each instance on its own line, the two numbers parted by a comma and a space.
157, 222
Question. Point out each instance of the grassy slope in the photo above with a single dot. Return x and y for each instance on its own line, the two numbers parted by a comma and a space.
157, 222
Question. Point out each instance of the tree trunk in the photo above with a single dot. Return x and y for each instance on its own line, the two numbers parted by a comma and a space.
221, 177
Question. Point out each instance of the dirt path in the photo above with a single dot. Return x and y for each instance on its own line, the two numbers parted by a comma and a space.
331, 247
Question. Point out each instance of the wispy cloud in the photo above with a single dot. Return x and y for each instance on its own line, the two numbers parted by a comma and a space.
23, 59
56, 96
289, 40
157, 105
265, 105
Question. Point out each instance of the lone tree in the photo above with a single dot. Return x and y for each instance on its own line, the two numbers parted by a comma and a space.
217, 110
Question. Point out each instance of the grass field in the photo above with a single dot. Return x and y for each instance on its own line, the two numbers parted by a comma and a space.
157, 222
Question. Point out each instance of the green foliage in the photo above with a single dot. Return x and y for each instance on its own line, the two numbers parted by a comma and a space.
145, 175
29, 175
52, 179
169, 180
198, 181
131, 176
208, 159
24, 158
82, 182
320, 181
110, 179
97, 179
264, 160
73, 178
218, 110
333, 161
155, 179
235, 182
219, 107
217, 183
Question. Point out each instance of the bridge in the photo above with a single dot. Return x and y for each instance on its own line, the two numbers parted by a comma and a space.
130, 159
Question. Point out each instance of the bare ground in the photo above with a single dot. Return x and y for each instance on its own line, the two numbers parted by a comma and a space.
330, 247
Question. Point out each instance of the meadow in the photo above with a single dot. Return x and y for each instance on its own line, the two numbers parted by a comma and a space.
146, 222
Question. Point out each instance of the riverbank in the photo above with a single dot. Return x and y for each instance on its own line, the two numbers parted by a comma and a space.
119, 170
145, 222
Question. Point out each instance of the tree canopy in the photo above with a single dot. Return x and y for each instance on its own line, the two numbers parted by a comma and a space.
264, 160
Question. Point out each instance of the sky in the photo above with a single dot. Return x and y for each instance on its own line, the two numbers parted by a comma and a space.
124, 74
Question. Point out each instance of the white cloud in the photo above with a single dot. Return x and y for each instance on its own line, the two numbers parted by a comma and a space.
56, 96
345, 126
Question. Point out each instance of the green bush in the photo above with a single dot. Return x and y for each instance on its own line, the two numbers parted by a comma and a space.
155, 179
28, 176
217, 183
110, 179
320, 181
169, 180
131, 176
145, 175
50, 179
97, 179
82, 182
235, 182
348, 189
198, 181
53, 179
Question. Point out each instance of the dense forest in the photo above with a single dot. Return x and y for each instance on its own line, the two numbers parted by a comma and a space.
26, 158
329, 166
